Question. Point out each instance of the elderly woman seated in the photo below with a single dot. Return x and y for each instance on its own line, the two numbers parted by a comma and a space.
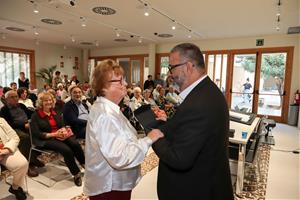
49, 132
147, 97
23, 98
12, 159
76, 112
137, 100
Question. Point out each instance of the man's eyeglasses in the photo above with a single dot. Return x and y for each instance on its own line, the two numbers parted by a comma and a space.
171, 67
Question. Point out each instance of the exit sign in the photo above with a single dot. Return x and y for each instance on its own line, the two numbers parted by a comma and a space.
260, 42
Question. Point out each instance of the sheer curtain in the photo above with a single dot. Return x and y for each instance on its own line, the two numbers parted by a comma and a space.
11, 64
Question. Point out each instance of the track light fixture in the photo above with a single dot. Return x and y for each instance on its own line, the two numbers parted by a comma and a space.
35, 8
278, 15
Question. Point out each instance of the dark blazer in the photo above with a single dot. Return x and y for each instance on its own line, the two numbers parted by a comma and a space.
193, 154
40, 126
71, 113
5, 113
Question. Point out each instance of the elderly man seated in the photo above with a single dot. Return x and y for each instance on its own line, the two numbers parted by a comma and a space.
12, 159
76, 112
17, 115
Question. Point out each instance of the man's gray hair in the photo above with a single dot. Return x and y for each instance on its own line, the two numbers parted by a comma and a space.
190, 52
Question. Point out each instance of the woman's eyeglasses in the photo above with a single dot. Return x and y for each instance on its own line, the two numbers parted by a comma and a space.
122, 81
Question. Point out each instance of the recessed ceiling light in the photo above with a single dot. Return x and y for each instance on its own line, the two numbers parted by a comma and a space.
15, 29
164, 35
121, 40
51, 21
104, 10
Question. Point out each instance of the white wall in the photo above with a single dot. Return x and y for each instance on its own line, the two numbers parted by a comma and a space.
225, 44
47, 55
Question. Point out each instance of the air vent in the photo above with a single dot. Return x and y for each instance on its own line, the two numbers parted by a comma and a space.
294, 30
104, 10
165, 35
51, 21
121, 40
15, 29
86, 43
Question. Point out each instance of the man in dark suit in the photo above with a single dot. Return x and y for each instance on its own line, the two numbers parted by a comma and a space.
193, 154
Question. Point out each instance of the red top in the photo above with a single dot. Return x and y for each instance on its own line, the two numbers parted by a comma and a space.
50, 118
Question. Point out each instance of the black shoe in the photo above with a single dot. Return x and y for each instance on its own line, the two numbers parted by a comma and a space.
37, 163
32, 172
77, 179
19, 193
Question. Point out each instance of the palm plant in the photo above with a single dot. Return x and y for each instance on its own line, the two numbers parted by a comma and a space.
46, 74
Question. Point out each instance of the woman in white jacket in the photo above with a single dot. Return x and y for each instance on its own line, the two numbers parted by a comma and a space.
113, 152
12, 159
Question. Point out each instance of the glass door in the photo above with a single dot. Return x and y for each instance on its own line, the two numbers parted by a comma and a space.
271, 84
243, 79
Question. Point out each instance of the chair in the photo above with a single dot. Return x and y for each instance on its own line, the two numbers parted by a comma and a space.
51, 179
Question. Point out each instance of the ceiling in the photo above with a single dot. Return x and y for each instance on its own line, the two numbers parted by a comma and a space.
203, 19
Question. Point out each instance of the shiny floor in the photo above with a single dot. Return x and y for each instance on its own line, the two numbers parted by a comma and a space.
283, 179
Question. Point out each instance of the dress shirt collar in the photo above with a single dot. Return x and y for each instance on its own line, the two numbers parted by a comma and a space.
187, 90
111, 104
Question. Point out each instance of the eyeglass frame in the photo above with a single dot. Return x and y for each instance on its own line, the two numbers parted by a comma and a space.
121, 81
171, 67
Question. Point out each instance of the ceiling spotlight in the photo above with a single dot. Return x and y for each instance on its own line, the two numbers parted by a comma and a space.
140, 40
65, 47
35, 31
146, 10
173, 25
83, 21
73, 38
72, 2
35, 8
189, 34
97, 43
117, 32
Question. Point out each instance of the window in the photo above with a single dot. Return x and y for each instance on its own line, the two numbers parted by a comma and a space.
12, 62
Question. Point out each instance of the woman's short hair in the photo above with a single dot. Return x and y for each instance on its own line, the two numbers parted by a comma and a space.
137, 89
41, 98
21, 90
103, 72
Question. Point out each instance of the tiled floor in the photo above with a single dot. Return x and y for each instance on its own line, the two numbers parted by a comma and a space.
283, 179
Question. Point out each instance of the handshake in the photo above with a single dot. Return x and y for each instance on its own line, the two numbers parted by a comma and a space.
63, 133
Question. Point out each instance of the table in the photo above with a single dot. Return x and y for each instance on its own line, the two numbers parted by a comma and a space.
237, 139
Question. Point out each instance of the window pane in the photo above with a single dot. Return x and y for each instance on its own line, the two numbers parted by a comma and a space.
210, 66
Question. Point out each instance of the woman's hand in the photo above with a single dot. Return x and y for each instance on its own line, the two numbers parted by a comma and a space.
155, 134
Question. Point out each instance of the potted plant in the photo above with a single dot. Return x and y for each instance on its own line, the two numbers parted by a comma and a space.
46, 74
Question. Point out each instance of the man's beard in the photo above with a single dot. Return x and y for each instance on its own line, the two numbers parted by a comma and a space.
178, 82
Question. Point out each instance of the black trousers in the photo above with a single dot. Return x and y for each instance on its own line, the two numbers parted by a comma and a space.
69, 149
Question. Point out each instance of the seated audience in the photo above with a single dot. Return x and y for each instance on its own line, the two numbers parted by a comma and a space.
137, 100
17, 115
163, 103
147, 97
23, 98
49, 133
58, 104
76, 112
61, 93
13, 86
172, 97
155, 92
56, 80
12, 159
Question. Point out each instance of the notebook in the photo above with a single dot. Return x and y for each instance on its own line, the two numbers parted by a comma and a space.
147, 118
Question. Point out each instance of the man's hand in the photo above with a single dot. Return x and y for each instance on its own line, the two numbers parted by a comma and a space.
155, 134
